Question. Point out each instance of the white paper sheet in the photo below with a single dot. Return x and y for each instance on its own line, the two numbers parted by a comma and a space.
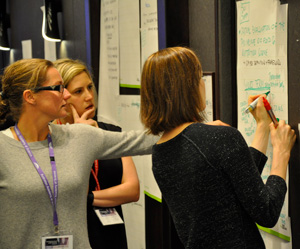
261, 67
27, 49
208, 80
129, 34
120, 65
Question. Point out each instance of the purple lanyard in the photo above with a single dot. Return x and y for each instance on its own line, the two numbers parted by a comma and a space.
41, 173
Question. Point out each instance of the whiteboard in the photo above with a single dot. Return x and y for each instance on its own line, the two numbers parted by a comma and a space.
261, 67
208, 79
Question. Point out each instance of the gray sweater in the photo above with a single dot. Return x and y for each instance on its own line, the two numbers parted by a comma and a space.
211, 183
25, 208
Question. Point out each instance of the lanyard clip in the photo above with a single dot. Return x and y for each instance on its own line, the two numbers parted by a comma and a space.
56, 230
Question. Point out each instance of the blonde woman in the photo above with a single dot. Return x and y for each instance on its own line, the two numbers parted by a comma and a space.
112, 182
44, 167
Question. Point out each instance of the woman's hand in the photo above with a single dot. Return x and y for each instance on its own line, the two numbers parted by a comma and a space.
283, 137
84, 117
260, 113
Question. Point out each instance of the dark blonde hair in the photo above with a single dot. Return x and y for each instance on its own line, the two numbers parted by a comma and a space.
18, 77
170, 94
69, 68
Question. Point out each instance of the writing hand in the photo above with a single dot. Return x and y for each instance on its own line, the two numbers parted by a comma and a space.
84, 117
259, 113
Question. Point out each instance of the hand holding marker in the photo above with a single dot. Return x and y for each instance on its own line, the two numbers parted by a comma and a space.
270, 112
252, 106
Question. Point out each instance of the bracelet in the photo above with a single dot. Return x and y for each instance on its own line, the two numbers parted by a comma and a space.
90, 199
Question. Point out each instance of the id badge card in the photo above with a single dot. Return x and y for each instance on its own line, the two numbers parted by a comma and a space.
108, 216
58, 241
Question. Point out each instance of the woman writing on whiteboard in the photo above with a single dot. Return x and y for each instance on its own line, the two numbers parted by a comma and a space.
112, 182
208, 176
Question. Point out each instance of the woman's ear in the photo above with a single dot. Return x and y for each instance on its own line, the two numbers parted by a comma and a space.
29, 97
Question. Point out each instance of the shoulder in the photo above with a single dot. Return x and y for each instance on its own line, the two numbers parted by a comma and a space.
214, 136
224, 132
73, 130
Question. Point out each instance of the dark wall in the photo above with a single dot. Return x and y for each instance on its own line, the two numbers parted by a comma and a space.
212, 36
26, 24
294, 116
226, 61
75, 21
202, 27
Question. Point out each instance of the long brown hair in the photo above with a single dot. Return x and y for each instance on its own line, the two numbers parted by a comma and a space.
170, 94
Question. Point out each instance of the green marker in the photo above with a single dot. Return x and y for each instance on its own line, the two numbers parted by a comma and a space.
252, 106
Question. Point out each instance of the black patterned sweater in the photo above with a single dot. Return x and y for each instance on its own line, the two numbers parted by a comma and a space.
211, 182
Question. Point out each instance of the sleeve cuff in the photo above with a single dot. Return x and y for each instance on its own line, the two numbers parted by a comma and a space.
90, 199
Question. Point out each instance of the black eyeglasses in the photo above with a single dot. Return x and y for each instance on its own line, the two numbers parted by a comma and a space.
59, 88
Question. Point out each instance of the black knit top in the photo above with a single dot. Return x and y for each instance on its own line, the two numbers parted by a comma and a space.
210, 180
110, 174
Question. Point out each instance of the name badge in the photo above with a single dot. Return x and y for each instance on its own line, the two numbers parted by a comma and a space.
108, 216
57, 242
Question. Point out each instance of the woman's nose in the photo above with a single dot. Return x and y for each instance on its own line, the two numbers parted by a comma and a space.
66, 94
89, 95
